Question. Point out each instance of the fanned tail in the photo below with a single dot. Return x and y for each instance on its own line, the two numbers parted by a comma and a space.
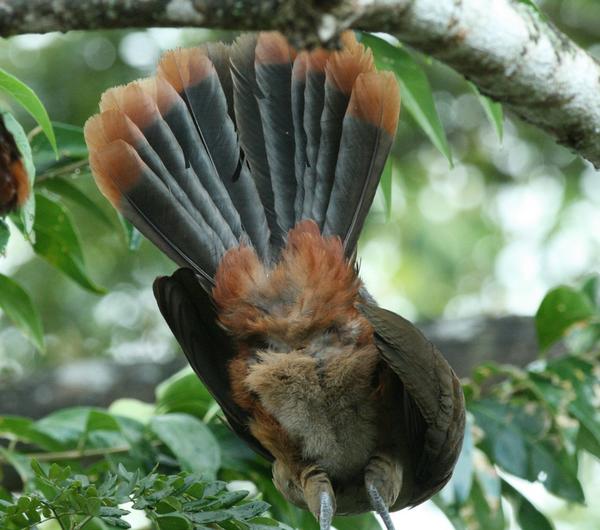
236, 144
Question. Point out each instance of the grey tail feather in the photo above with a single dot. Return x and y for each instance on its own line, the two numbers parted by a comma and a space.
300, 160
202, 91
367, 137
334, 108
250, 129
313, 109
220, 55
273, 78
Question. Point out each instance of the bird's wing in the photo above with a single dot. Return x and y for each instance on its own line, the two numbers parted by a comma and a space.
435, 412
191, 315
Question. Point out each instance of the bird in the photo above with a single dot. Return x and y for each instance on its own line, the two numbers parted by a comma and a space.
253, 165
14, 180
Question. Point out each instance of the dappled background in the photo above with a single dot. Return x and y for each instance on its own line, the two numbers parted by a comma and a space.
488, 233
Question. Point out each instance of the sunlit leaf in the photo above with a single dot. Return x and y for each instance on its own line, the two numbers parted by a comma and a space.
58, 242
65, 426
560, 309
67, 190
27, 98
493, 111
528, 516
192, 443
133, 408
414, 88
19, 308
183, 392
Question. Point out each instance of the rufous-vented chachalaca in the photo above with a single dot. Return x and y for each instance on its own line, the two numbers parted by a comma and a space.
253, 166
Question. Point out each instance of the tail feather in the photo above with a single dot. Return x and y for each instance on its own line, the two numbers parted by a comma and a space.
220, 56
314, 132
314, 95
250, 129
368, 132
341, 70
300, 160
193, 76
175, 113
138, 193
273, 67
138, 121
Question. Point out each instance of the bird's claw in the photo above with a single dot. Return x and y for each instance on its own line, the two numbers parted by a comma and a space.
379, 506
326, 511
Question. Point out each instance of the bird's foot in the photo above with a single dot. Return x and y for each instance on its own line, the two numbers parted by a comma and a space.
319, 496
383, 482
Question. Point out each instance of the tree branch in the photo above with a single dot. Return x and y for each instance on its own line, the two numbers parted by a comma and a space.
508, 49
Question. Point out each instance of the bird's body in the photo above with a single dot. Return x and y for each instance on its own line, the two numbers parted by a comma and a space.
253, 167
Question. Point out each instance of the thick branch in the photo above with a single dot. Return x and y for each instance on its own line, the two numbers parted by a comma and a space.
504, 46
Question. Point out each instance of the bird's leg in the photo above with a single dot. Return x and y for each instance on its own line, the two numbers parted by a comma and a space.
318, 495
383, 482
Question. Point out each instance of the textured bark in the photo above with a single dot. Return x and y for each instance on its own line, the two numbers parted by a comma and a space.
511, 52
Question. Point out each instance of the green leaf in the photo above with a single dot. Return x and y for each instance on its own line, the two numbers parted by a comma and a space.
530, 3
132, 234
17, 305
67, 190
183, 392
27, 210
21, 429
493, 111
66, 426
98, 420
133, 408
591, 288
587, 441
192, 442
71, 147
172, 522
386, 187
560, 309
528, 516
19, 462
517, 440
414, 88
32, 104
366, 521
488, 510
4, 235
58, 242
458, 489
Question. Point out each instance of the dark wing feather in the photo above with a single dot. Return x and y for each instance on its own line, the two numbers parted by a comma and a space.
435, 390
192, 317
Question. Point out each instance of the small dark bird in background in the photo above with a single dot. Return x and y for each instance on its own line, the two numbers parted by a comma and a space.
14, 182
253, 167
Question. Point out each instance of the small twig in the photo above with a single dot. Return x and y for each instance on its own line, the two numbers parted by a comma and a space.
64, 170
75, 454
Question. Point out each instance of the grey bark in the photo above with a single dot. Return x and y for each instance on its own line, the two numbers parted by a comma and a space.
510, 51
